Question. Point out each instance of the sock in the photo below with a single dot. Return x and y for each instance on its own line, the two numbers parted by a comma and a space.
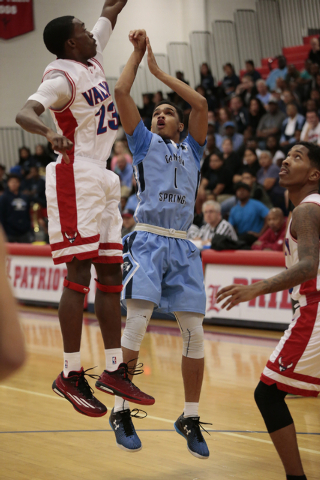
191, 409
113, 358
72, 363
296, 477
120, 404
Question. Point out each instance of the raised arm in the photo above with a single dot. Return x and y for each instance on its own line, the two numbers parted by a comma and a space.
198, 120
28, 119
127, 109
111, 10
306, 227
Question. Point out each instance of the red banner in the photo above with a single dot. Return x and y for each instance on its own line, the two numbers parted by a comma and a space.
16, 18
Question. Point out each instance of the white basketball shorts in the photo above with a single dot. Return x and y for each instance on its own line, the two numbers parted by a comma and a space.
295, 363
83, 212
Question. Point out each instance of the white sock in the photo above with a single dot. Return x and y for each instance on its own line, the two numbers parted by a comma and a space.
113, 358
191, 409
72, 362
120, 404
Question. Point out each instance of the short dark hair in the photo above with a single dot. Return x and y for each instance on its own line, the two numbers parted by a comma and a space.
57, 32
250, 62
178, 109
313, 153
13, 175
2, 167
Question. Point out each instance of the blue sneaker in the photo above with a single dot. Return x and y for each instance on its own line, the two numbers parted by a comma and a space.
189, 428
126, 436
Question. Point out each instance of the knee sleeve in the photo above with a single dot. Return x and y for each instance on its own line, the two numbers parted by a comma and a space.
75, 286
190, 325
138, 315
108, 288
272, 406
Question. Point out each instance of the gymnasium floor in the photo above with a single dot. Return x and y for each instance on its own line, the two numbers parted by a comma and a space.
43, 438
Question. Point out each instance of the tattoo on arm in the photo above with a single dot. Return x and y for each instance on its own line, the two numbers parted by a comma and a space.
306, 228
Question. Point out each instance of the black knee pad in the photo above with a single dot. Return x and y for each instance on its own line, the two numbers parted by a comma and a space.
272, 406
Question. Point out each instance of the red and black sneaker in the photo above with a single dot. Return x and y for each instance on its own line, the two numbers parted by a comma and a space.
118, 383
76, 390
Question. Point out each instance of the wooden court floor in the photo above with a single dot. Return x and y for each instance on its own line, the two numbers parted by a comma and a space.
43, 438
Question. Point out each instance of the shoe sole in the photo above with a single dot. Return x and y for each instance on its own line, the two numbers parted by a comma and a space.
201, 457
112, 391
131, 450
61, 394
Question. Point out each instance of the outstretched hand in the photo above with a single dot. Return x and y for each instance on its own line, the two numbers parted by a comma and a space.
236, 294
152, 63
138, 40
60, 144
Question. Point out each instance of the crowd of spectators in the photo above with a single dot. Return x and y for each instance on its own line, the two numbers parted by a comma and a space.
252, 124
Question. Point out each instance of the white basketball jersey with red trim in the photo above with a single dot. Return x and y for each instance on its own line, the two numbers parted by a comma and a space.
307, 292
90, 119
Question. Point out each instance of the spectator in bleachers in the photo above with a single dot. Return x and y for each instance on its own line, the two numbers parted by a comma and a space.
231, 159
125, 171
305, 80
268, 177
246, 90
147, 109
273, 147
216, 181
157, 97
271, 122
230, 80
223, 117
314, 54
256, 112
207, 80
263, 92
180, 76
132, 202
41, 156
293, 74
33, 185
230, 133
3, 181
257, 193
210, 148
239, 113
273, 237
15, 212
248, 216
251, 71
128, 222
119, 148
249, 163
291, 127
213, 224
212, 104
311, 129
26, 160
314, 72
279, 72
125, 194
286, 98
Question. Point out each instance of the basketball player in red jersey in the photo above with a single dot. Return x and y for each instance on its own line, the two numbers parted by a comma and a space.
294, 366
83, 199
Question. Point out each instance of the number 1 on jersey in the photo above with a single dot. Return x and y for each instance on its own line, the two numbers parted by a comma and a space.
175, 178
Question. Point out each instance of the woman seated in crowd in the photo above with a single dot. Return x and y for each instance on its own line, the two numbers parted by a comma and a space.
249, 163
273, 147
256, 112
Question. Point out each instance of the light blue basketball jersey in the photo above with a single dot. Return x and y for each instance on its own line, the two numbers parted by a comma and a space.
167, 176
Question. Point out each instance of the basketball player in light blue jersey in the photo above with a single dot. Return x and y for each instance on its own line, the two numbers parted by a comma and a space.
162, 269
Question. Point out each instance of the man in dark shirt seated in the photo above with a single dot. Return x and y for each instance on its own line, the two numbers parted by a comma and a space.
14, 212
273, 238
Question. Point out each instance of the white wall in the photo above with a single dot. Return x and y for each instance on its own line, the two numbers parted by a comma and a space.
24, 58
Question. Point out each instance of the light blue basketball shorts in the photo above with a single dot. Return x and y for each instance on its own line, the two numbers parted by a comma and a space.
165, 271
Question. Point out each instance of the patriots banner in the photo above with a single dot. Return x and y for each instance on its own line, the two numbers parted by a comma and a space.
16, 18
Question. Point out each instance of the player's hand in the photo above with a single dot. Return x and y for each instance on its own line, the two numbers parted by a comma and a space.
152, 63
138, 40
236, 294
60, 144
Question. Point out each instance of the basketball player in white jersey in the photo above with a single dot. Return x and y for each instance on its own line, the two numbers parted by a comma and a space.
83, 199
294, 366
